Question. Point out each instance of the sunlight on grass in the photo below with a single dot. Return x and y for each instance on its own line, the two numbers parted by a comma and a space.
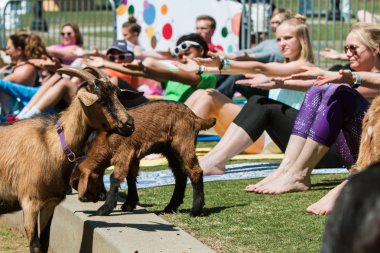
236, 221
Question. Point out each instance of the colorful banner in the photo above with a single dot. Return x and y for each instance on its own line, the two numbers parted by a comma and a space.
164, 21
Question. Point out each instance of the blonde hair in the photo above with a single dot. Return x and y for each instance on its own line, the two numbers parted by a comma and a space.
369, 34
302, 33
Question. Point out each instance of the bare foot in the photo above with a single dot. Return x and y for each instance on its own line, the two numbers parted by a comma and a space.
270, 177
326, 203
211, 168
280, 170
284, 183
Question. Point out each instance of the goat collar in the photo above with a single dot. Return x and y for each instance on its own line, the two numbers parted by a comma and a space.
69, 153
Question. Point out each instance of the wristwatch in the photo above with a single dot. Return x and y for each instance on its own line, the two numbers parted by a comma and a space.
358, 80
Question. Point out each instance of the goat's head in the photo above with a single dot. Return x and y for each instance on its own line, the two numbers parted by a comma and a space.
100, 101
89, 184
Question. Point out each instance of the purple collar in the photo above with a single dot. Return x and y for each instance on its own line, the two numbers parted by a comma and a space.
69, 153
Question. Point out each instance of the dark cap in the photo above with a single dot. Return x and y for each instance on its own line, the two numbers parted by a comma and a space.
119, 45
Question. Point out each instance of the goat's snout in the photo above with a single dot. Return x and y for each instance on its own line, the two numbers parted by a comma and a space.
126, 128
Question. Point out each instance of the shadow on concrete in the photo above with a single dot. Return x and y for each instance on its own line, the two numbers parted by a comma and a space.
89, 227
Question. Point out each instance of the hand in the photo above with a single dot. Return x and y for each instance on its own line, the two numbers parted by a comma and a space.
97, 62
213, 61
310, 73
136, 66
343, 76
189, 66
261, 81
46, 63
329, 53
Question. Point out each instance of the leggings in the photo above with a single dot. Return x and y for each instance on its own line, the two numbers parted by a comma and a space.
333, 114
277, 119
23, 92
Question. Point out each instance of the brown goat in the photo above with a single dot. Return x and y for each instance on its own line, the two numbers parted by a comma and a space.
369, 151
160, 127
34, 170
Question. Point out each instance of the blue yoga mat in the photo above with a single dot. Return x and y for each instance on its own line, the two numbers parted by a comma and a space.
233, 172
208, 137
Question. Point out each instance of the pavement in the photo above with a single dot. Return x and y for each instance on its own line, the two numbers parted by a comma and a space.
76, 228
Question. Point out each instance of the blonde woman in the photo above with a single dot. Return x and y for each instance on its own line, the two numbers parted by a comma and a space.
242, 128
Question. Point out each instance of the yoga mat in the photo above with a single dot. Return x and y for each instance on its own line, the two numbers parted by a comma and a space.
203, 151
233, 172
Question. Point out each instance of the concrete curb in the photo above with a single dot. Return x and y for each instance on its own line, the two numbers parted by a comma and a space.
75, 228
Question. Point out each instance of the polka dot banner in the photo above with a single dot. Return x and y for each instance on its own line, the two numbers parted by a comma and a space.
167, 31
149, 14
164, 9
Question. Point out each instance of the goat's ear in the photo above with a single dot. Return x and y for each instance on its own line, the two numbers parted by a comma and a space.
82, 186
129, 94
87, 98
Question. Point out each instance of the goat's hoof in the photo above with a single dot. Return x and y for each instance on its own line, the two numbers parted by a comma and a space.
104, 210
195, 213
127, 207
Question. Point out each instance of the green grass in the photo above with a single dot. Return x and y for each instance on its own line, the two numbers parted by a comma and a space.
11, 241
236, 221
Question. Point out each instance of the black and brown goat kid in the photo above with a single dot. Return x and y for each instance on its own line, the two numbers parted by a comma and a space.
34, 170
164, 127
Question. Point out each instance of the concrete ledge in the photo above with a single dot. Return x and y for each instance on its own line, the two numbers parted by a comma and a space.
75, 228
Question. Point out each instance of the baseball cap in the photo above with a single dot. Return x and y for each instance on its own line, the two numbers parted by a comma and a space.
121, 46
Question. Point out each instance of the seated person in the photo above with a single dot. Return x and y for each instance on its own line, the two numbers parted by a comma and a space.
58, 88
72, 41
21, 47
178, 85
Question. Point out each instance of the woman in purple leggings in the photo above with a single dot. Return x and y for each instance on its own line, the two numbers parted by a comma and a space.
330, 114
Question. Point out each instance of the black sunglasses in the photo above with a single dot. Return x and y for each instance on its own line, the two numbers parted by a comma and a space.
127, 56
68, 34
352, 48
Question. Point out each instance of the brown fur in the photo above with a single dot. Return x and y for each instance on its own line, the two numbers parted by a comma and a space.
160, 127
34, 171
369, 151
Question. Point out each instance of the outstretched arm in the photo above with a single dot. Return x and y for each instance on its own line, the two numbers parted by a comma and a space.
216, 65
263, 82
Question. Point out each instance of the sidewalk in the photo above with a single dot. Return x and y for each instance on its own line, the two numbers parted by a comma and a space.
75, 228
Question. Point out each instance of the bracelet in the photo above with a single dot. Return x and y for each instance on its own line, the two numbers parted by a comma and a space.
201, 69
221, 66
358, 81
227, 64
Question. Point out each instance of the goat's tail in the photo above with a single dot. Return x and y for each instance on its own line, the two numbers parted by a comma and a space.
204, 124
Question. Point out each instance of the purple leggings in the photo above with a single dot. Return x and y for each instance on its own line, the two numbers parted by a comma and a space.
333, 114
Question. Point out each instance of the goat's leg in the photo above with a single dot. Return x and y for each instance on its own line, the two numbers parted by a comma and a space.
132, 198
46, 217
31, 227
180, 183
195, 174
111, 200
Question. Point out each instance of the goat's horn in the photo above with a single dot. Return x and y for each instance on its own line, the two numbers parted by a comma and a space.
86, 76
96, 72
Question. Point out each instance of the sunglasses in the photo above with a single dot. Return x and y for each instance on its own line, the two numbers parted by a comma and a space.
67, 34
122, 57
184, 46
352, 48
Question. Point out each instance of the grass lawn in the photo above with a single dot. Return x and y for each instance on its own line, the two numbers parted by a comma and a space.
236, 221
12, 241
233, 220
